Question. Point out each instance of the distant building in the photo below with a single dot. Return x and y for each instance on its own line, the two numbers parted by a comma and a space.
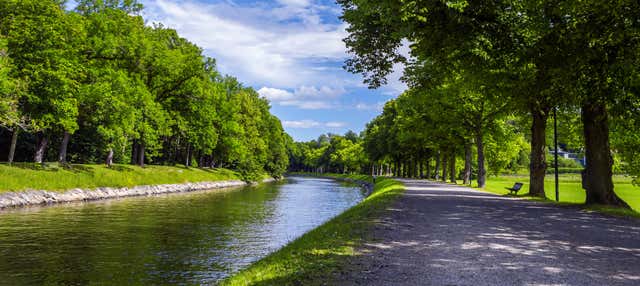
568, 155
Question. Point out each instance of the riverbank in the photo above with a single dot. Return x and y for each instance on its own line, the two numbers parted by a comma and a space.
30, 184
317, 257
55, 178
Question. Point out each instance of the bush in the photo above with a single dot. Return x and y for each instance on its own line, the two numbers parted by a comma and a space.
563, 162
564, 170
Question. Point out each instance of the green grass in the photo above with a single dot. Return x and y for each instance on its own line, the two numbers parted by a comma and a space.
314, 257
571, 191
52, 177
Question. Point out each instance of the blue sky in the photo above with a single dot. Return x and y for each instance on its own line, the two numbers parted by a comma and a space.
290, 51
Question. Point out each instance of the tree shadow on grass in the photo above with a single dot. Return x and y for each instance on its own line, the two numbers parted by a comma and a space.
209, 170
78, 168
33, 166
121, 168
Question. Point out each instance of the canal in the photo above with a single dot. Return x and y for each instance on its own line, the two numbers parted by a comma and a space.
192, 238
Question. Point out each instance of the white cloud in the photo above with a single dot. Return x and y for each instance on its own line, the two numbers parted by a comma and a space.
335, 124
374, 106
312, 124
275, 94
300, 3
259, 44
307, 104
293, 49
304, 97
301, 123
322, 92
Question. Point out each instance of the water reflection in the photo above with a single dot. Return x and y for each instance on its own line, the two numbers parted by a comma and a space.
191, 238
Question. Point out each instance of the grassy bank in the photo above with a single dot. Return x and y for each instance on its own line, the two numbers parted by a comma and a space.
313, 258
571, 191
55, 178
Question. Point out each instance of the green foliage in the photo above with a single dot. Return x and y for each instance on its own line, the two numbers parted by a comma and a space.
504, 148
626, 138
519, 57
48, 58
329, 153
565, 170
9, 90
140, 92
564, 162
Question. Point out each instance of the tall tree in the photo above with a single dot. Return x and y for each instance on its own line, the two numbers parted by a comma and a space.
10, 92
48, 58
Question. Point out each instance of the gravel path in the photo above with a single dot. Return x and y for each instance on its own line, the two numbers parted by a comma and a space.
447, 235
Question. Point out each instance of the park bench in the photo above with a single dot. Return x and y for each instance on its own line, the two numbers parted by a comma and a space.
516, 187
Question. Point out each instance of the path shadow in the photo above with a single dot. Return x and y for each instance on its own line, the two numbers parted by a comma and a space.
441, 234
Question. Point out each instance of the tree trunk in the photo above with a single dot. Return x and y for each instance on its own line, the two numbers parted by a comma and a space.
62, 156
598, 174
467, 164
452, 172
407, 166
428, 168
421, 169
538, 165
134, 152
437, 173
109, 160
444, 166
395, 169
482, 172
187, 162
14, 142
41, 149
403, 171
141, 154
413, 168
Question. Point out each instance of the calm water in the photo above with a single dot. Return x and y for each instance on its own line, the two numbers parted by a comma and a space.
195, 238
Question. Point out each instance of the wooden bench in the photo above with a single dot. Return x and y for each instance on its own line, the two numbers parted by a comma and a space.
516, 187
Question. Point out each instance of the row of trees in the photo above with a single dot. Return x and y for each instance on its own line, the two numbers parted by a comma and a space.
329, 153
103, 86
474, 63
414, 139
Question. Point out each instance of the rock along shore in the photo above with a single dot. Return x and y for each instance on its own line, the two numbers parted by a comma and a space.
41, 197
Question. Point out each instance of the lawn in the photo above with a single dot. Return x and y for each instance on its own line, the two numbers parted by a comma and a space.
52, 177
313, 258
570, 188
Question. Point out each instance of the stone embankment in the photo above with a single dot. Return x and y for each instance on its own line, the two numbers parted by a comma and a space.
41, 197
